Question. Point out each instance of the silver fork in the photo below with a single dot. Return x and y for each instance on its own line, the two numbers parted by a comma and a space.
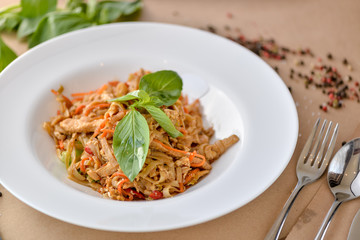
310, 167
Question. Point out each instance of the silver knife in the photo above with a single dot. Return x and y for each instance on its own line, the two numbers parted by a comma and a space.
354, 233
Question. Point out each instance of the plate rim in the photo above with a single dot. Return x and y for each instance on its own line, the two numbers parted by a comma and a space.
115, 25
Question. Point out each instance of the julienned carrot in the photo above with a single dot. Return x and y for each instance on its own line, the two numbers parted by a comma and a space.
181, 184
77, 99
102, 89
121, 183
81, 94
61, 144
66, 100
82, 164
191, 155
114, 83
106, 131
54, 92
79, 108
101, 126
100, 105
183, 131
170, 148
190, 175
194, 154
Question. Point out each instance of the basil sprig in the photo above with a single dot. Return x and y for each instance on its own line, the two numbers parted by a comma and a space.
39, 20
131, 136
6, 55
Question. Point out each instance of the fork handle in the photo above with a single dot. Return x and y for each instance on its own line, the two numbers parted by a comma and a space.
324, 226
275, 230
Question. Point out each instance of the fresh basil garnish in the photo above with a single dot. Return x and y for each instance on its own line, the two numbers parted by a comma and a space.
39, 20
32, 11
131, 143
163, 120
35, 8
9, 21
164, 87
138, 95
57, 23
110, 11
131, 136
6, 55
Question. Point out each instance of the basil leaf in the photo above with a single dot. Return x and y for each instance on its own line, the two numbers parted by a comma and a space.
10, 9
57, 23
110, 11
163, 120
131, 143
9, 21
28, 26
32, 11
135, 95
91, 9
6, 55
36, 8
76, 6
164, 87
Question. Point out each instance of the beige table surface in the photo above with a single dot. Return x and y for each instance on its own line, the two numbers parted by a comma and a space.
322, 25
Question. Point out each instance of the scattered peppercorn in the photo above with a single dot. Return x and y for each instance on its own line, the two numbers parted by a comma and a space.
343, 143
323, 76
0, 194
211, 28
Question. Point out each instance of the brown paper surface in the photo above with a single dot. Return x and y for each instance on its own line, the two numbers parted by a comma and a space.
322, 25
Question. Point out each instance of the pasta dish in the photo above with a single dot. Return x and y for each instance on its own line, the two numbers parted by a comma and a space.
84, 132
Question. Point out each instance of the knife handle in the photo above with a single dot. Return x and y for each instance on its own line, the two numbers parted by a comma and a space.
275, 230
325, 224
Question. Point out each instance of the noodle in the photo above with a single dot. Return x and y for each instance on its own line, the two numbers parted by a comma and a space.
83, 133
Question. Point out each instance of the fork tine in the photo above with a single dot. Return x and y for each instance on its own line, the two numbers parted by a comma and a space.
330, 148
305, 152
318, 161
316, 144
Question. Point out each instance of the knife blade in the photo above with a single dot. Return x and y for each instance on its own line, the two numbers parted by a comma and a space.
354, 233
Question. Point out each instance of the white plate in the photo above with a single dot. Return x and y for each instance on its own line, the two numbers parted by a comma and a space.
246, 97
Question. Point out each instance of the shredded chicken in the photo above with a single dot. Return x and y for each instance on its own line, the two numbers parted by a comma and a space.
83, 133
82, 125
